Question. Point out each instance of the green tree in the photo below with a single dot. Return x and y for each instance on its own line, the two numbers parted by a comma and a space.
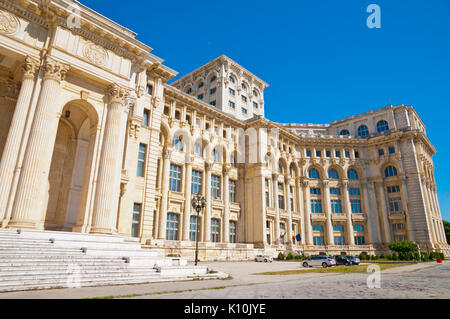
404, 247
447, 230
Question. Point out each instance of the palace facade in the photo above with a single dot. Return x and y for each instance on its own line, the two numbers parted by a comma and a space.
93, 139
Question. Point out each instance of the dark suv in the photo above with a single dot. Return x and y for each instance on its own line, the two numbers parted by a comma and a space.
342, 260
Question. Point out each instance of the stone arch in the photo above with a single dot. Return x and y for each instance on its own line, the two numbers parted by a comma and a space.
165, 136
70, 166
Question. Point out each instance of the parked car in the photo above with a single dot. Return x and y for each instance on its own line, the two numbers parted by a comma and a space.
343, 260
319, 260
355, 260
332, 260
262, 258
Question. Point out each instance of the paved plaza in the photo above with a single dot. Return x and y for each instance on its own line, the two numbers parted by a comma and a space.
428, 280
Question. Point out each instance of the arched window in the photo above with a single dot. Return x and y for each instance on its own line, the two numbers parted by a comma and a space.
382, 126
344, 133
232, 160
213, 79
390, 171
198, 149
255, 93
363, 131
201, 85
231, 79
313, 173
333, 174
177, 143
352, 174
216, 156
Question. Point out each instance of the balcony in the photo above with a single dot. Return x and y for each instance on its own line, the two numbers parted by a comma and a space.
359, 217
338, 217
318, 217
397, 215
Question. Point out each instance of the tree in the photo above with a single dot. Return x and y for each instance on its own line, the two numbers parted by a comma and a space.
404, 246
447, 230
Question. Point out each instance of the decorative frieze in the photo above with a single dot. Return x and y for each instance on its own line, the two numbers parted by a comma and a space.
95, 53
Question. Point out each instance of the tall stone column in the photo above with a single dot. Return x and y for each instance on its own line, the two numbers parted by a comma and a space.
326, 191
301, 208
104, 217
165, 194
33, 181
348, 209
10, 153
277, 209
187, 200
308, 226
226, 197
410, 228
379, 189
208, 197
289, 210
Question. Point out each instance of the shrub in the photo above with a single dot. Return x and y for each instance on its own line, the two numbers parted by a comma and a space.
404, 246
280, 256
290, 256
394, 256
299, 257
382, 256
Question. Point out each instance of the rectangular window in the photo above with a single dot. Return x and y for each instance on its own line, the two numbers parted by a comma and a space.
336, 207
213, 103
391, 150
335, 191
398, 226
338, 154
232, 185
141, 160
146, 119
308, 153
232, 232
244, 99
212, 91
347, 154
231, 104
328, 153
318, 154
232, 92
280, 201
215, 187
136, 220
319, 241
255, 105
267, 199
314, 191
354, 191
339, 241
196, 186
193, 228
338, 227
358, 228
356, 206
200, 97
381, 152
172, 226
395, 204
175, 178
292, 204
215, 230
316, 206
244, 111
317, 227
393, 189
360, 240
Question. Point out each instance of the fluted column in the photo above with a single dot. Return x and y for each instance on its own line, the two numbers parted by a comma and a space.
11, 150
165, 194
226, 196
384, 211
187, 200
348, 209
289, 210
33, 181
108, 182
308, 226
326, 191
275, 202
301, 208
208, 197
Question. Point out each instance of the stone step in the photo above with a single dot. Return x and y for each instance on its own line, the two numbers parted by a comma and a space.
41, 249
71, 272
52, 258
48, 285
60, 263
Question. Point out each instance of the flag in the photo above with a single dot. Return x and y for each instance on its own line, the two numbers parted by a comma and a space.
298, 237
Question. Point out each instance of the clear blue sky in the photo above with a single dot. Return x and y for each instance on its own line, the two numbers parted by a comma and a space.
321, 60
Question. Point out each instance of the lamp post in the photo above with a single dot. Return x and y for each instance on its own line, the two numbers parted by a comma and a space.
198, 203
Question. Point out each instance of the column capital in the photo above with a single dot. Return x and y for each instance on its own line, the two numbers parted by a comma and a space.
117, 94
287, 179
54, 70
275, 176
226, 169
167, 153
30, 67
208, 165
326, 183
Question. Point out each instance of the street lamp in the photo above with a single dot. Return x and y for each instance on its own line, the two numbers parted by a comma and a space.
198, 203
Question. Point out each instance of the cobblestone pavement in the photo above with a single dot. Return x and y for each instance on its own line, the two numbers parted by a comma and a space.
419, 282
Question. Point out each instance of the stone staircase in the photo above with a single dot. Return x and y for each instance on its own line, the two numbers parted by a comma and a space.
44, 259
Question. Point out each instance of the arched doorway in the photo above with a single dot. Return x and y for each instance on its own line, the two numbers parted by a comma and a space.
70, 160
